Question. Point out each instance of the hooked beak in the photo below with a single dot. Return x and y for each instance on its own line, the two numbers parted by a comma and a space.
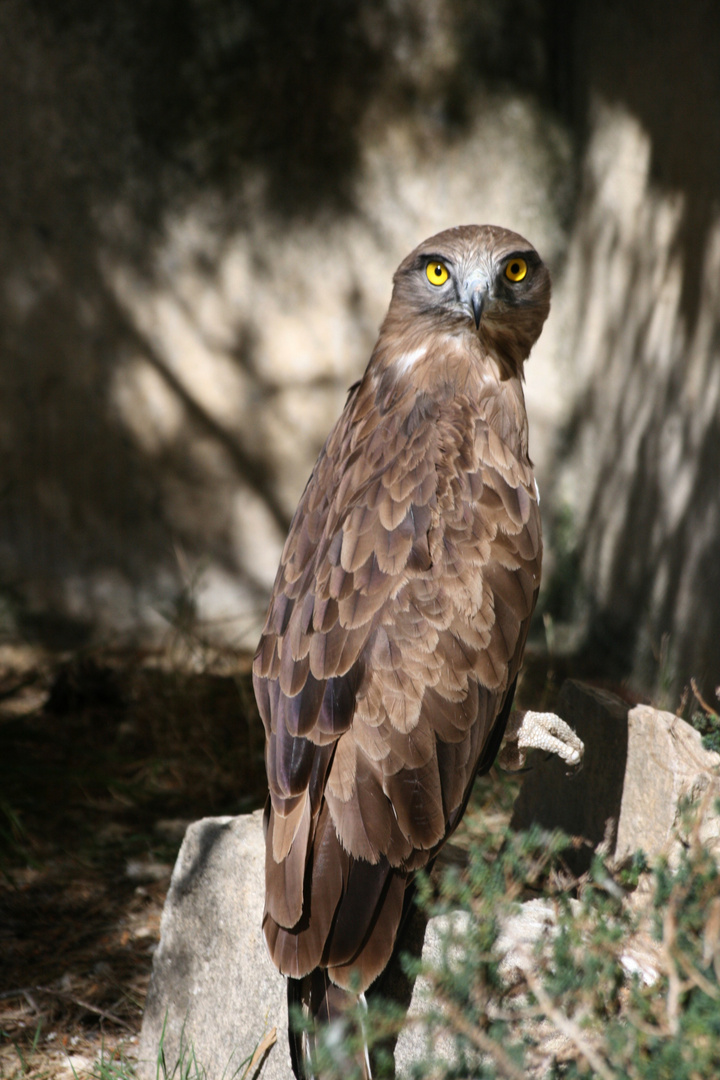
477, 294
477, 301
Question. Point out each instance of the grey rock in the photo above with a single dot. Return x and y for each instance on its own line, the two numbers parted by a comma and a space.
520, 933
534, 921
666, 767
213, 985
530, 925
415, 1044
640, 766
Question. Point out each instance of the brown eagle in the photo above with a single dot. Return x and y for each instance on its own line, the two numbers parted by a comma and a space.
387, 665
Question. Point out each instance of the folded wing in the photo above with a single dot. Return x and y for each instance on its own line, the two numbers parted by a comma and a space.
393, 640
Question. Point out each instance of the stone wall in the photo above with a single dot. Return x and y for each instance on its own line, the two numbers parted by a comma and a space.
639, 450
201, 206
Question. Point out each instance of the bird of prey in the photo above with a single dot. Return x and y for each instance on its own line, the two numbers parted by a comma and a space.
387, 664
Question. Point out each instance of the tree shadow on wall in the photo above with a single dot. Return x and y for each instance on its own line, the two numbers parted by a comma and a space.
116, 118
644, 425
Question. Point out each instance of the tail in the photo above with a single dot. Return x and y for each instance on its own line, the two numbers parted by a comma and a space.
321, 1004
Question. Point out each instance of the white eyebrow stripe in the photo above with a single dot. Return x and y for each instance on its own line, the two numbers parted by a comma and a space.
406, 360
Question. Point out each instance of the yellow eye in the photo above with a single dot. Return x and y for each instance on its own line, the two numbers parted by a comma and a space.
437, 273
516, 270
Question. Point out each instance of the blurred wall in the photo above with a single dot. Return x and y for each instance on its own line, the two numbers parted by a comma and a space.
201, 206
638, 454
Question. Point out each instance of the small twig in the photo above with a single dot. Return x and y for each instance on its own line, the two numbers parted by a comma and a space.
484, 1043
569, 1029
480, 1039
697, 977
19, 992
701, 700
648, 1029
268, 1040
700, 812
674, 982
32, 1002
27, 991
85, 1005
100, 1012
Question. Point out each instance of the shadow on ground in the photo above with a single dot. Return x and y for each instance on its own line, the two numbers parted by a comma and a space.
103, 763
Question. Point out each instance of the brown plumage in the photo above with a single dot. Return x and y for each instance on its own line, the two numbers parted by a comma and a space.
387, 663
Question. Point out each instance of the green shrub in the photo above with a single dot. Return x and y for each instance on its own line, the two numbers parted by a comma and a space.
657, 1018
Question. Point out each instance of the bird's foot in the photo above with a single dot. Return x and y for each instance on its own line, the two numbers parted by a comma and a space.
538, 731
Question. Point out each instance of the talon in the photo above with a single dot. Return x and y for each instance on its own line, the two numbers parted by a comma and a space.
546, 731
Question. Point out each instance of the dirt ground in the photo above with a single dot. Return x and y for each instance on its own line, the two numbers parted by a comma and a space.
104, 760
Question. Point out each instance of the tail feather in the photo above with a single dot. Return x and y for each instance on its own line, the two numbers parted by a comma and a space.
322, 1003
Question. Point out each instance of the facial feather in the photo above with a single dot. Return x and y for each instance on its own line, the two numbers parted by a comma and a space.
513, 312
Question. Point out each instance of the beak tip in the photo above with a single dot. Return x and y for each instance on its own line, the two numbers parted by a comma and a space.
477, 306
